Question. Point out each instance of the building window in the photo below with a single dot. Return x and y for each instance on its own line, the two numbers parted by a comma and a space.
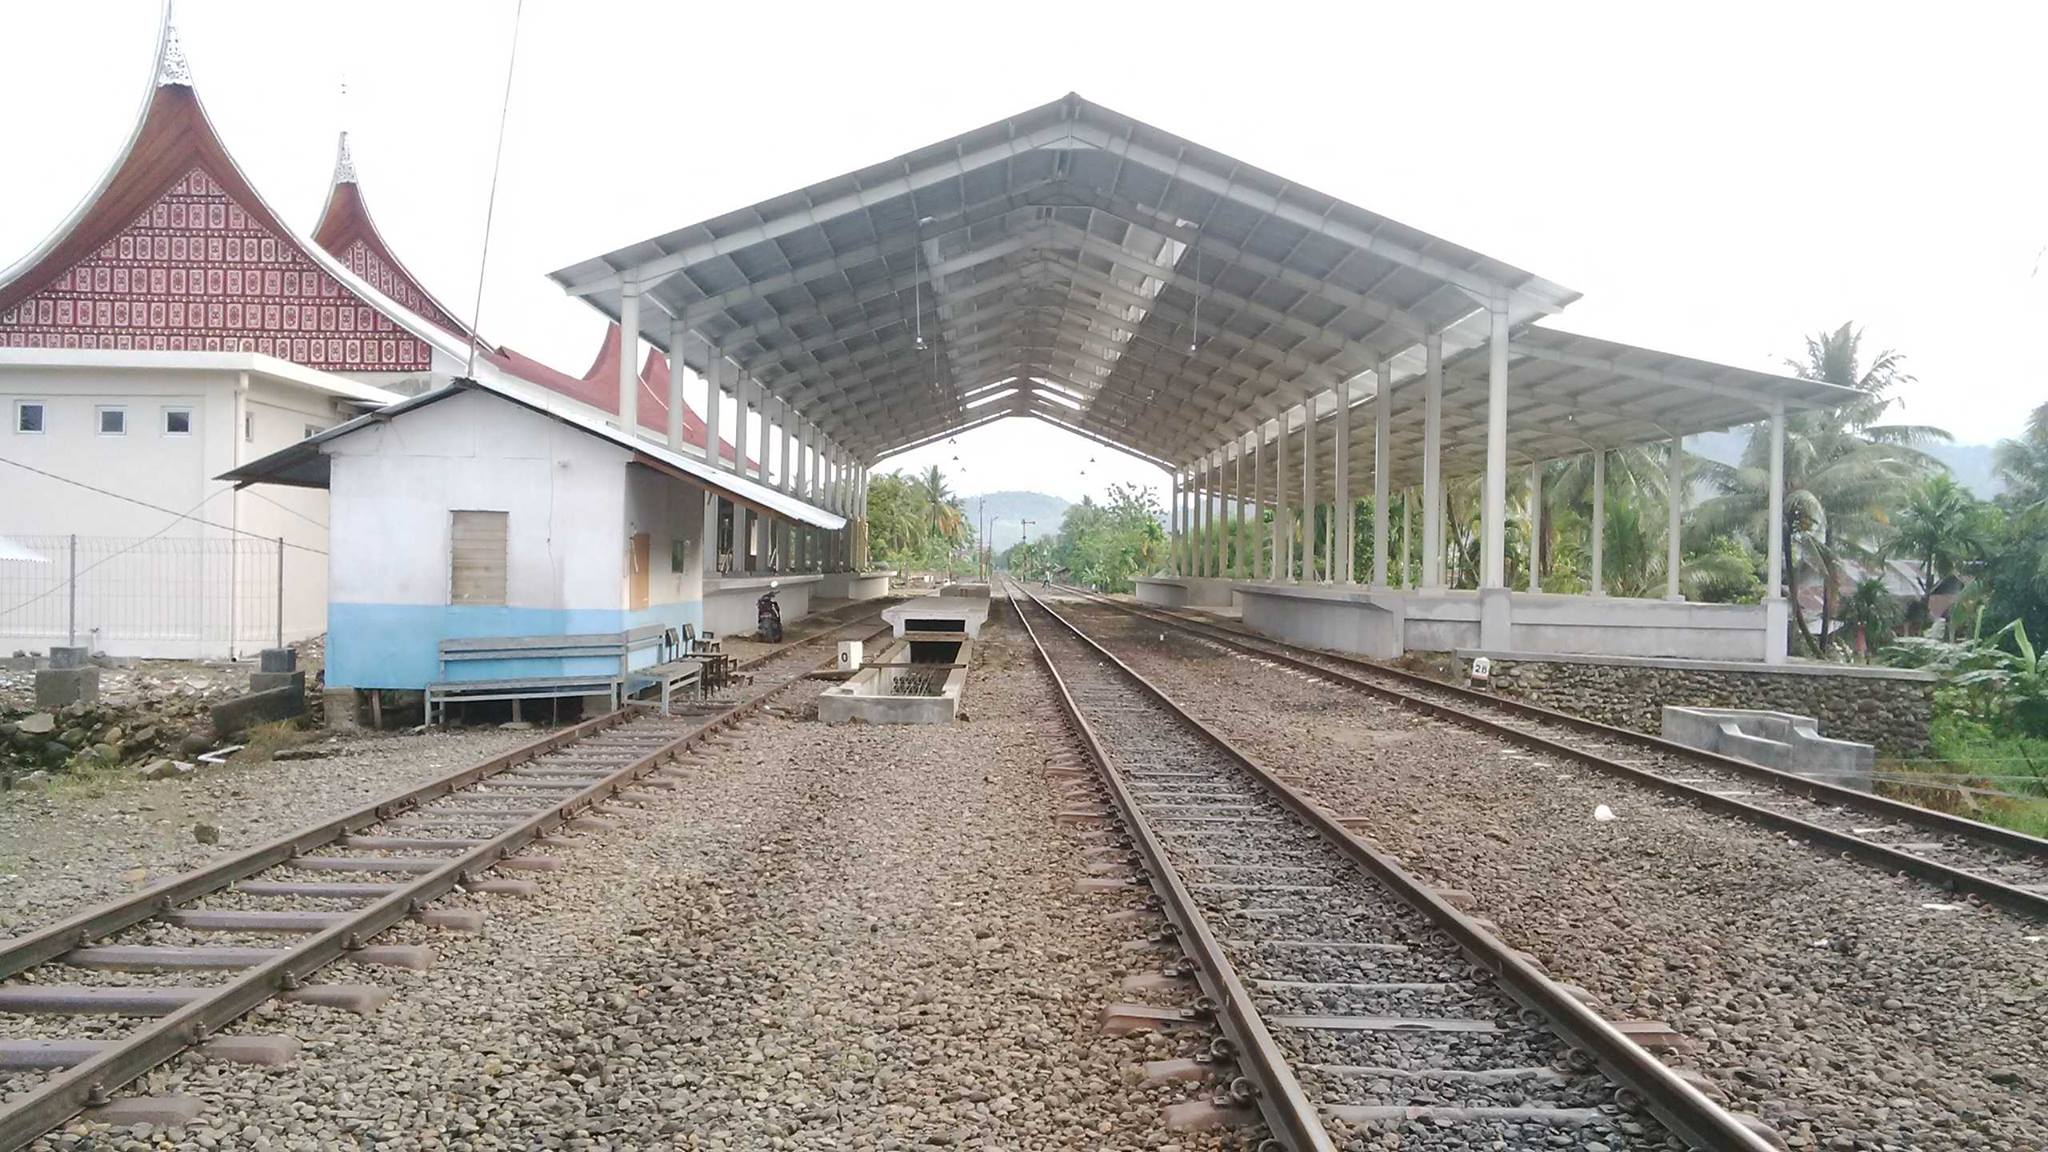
113, 421
28, 416
177, 421
249, 427
476, 557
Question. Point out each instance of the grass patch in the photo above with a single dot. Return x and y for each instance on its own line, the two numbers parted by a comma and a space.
266, 740
1971, 753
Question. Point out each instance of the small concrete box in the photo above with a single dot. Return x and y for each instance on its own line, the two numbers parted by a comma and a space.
849, 656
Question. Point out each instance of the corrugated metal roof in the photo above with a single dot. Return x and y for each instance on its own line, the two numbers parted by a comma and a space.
1123, 279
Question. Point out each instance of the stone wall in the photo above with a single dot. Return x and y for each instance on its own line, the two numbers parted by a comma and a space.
1889, 708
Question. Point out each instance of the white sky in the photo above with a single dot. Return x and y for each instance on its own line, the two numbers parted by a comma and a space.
1718, 180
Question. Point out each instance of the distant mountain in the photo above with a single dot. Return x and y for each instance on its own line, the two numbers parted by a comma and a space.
1970, 463
1006, 512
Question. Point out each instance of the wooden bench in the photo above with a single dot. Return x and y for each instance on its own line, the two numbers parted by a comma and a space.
613, 646
668, 676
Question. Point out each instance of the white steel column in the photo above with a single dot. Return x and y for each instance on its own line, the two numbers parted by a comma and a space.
1774, 553
1260, 565
1173, 523
1340, 485
761, 414
1777, 612
629, 358
1493, 563
1283, 516
1308, 491
1238, 567
1536, 526
1599, 520
676, 335
1433, 463
1674, 504
714, 405
1218, 515
1382, 435
1407, 531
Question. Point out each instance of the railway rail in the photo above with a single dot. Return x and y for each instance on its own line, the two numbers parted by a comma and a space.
1995, 864
1351, 994
328, 890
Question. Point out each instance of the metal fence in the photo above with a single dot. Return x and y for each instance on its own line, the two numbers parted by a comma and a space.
175, 594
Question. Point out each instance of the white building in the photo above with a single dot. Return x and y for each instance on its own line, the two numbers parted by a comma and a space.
111, 458
495, 509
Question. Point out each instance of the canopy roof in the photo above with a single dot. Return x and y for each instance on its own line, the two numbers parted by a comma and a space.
1068, 263
1568, 394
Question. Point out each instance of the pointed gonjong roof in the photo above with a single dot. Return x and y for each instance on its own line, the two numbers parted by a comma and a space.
348, 232
175, 250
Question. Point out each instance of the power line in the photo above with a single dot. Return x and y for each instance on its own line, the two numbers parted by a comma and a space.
483, 259
186, 515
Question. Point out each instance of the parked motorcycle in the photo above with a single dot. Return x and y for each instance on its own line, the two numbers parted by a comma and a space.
768, 615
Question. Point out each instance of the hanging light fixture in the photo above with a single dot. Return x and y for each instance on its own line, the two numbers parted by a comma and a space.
1195, 329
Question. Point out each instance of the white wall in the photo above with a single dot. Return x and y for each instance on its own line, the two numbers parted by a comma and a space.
205, 597
667, 510
393, 486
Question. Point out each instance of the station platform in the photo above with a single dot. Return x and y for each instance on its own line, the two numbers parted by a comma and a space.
1387, 623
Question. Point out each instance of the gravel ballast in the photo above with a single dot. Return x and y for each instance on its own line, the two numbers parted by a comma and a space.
830, 937
65, 847
1847, 1007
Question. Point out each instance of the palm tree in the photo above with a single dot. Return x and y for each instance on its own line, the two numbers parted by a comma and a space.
1939, 528
1843, 470
2023, 463
944, 517
1872, 612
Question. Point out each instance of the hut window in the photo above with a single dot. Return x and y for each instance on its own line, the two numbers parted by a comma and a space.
476, 558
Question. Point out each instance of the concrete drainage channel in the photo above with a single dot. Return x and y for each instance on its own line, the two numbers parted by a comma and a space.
1351, 997
918, 677
332, 889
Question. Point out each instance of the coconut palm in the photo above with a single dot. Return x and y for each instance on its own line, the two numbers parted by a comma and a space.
1940, 528
2023, 464
944, 517
1843, 470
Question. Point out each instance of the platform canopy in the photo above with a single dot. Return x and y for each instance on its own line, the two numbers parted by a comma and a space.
1068, 263
1568, 395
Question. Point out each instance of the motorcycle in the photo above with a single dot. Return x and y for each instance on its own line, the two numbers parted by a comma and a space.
768, 615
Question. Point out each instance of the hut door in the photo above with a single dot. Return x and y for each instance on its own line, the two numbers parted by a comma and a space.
636, 595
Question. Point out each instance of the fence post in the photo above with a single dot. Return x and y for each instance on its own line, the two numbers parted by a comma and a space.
71, 628
280, 591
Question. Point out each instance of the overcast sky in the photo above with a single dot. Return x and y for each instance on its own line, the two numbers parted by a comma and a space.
1717, 180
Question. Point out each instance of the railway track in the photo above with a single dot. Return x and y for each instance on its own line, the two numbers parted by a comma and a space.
1352, 996
140, 980
1965, 856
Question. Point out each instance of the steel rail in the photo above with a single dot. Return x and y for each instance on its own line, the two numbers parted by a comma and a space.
1947, 876
83, 1085
1281, 1099
1683, 1109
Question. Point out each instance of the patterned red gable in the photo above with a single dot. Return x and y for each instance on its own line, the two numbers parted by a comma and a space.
197, 272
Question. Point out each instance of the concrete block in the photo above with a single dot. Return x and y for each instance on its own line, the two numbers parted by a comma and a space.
278, 660
342, 708
245, 712
57, 687
62, 657
269, 681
